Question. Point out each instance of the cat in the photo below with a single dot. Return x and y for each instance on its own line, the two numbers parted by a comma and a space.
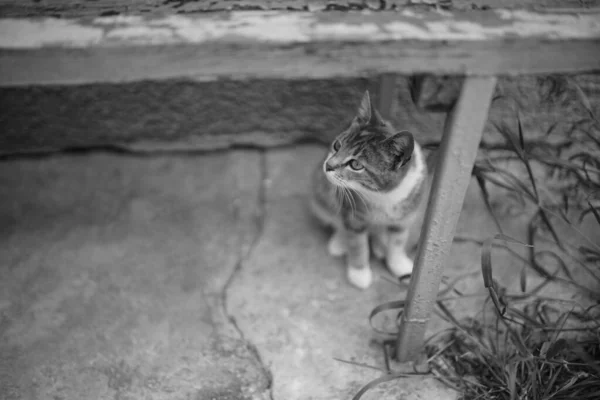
370, 188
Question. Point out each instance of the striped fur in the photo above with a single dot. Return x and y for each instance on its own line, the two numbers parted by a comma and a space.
371, 185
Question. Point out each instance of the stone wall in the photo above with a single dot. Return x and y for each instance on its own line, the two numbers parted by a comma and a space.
174, 114
188, 115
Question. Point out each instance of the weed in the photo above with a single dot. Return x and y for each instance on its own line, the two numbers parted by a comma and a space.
531, 346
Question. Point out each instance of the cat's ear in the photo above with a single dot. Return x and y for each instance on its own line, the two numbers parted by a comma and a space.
403, 146
367, 114
364, 110
376, 118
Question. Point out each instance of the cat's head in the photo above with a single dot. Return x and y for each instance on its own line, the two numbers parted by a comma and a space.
369, 155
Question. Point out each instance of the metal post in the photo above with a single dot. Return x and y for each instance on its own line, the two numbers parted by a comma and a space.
462, 134
387, 92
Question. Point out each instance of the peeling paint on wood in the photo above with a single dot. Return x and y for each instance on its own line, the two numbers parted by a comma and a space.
297, 27
241, 45
77, 9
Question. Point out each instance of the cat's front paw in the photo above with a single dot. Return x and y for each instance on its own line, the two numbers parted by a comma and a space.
360, 277
337, 245
399, 263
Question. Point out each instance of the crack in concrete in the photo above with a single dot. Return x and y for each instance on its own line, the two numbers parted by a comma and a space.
245, 254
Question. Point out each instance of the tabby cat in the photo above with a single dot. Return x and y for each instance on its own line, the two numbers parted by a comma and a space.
371, 185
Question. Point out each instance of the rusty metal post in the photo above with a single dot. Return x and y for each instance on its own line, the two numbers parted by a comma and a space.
462, 134
387, 92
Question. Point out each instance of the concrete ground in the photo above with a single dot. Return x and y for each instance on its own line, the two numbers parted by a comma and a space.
191, 277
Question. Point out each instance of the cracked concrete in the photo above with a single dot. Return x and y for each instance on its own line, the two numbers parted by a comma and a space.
259, 220
292, 300
195, 277
113, 272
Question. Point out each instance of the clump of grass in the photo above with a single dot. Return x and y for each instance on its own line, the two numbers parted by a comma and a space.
484, 363
523, 351
504, 362
530, 346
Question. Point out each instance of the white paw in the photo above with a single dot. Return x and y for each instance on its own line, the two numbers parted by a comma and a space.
399, 263
337, 245
360, 277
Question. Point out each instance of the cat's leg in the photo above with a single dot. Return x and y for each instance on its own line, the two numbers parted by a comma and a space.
398, 262
357, 258
379, 240
337, 243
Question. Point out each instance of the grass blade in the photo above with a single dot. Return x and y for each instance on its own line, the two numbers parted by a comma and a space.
486, 256
595, 211
486, 269
520, 131
375, 382
392, 305
486, 199
357, 364
585, 101
556, 348
512, 381
508, 135
560, 324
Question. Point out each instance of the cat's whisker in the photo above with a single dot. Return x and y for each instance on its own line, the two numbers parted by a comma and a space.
340, 198
348, 197
337, 195
351, 199
362, 197
345, 195
343, 189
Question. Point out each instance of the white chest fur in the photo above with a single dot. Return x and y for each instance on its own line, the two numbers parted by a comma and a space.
386, 205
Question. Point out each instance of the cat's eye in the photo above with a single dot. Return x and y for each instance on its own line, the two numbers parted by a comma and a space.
355, 165
336, 145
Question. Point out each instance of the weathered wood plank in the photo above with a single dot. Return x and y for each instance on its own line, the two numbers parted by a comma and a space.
294, 44
96, 8
296, 27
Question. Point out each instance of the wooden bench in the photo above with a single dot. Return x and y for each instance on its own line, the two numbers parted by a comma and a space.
479, 45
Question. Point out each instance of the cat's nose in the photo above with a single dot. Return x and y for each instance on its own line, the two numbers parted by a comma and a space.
328, 167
